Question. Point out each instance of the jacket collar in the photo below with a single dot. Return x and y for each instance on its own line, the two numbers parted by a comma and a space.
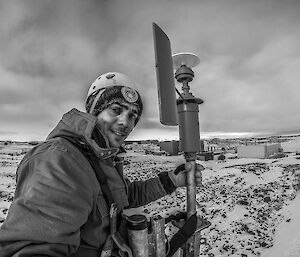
82, 125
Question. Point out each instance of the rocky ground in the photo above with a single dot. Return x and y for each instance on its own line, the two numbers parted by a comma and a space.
8, 164
244, 199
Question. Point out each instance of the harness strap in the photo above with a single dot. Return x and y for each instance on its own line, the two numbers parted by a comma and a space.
182, 235
101, 177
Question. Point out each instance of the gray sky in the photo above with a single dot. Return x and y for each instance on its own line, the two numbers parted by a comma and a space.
249, 74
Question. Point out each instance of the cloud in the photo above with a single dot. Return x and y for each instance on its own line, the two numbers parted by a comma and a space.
50, 52
7, 133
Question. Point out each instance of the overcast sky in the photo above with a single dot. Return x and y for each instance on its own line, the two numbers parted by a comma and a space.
249, 74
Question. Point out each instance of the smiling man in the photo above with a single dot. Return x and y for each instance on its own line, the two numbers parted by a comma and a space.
116, 122
69, 186
116, 104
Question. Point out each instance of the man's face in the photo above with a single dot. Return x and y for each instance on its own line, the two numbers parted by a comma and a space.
117, 121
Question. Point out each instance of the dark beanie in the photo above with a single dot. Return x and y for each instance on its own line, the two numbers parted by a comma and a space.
104, 97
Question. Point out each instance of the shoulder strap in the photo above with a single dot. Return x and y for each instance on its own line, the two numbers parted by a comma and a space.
93, 160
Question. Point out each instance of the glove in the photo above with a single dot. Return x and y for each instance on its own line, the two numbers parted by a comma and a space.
178, 176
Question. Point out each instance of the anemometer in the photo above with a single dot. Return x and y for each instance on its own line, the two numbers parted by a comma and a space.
181, 112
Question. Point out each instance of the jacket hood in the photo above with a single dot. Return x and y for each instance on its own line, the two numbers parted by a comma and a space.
76, 124
81, 125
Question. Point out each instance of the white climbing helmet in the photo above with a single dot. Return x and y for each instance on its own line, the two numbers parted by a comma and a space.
111, 79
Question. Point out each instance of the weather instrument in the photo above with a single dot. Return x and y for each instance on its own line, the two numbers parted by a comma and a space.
183, 112
165, 78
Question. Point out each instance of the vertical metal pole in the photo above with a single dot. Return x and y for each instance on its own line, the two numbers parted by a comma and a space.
191, 205
190, 144
191, 189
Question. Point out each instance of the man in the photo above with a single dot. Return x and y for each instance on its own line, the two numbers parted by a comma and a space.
66, 184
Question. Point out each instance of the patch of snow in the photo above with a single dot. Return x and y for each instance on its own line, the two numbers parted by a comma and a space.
291, 146
287, 236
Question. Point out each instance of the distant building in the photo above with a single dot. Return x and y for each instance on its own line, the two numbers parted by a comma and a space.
171, 147
205, 156
201, 145
258, 151
129, 142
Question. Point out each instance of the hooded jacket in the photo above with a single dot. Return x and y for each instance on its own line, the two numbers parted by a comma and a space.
59, 208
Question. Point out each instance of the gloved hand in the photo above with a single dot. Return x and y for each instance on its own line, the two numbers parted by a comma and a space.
178, 176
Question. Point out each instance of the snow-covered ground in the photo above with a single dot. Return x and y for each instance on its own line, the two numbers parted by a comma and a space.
253, 204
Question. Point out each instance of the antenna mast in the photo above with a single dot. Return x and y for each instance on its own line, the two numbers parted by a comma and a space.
184, 113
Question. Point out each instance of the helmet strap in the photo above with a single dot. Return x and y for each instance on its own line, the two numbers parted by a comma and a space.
96, 100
